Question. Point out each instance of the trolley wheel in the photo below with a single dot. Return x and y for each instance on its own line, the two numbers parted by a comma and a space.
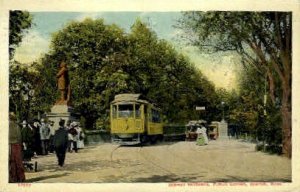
153, 139
144, 139
160, 138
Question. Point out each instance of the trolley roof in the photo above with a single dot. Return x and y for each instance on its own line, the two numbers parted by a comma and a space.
195, 122
128, 98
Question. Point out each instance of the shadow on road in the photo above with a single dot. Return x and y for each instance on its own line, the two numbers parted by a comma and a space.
46, 177
229, 178
148, 144
163, 179
91, 165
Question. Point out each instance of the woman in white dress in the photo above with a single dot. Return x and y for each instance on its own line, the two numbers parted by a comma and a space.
203, 128
200, 138
80, 135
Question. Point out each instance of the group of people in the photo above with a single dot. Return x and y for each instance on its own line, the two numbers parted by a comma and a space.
36, 137
75, 136
29, 140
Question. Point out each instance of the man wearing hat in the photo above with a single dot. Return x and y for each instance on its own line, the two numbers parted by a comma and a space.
60, 142
45, 135
74, 136
37, 146
27, 137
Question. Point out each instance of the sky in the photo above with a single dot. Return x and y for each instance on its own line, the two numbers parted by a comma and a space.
220, 69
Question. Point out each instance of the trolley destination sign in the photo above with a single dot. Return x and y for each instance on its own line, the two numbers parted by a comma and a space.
200, 108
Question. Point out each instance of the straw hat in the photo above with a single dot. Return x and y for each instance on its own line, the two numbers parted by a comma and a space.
74, 124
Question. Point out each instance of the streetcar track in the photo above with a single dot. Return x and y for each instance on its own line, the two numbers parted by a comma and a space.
145, 157
112, 160
192, 160
112, 152
206, 168
187, 160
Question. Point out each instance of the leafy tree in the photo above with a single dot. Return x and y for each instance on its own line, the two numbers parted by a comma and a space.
166, 77
21, 95
256, 110
19, 21
19, 78
89, 48
104, 61
263, 39
45, 85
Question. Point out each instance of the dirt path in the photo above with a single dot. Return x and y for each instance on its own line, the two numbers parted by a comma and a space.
221, 160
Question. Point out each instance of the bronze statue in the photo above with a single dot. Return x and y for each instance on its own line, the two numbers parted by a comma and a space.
63, 84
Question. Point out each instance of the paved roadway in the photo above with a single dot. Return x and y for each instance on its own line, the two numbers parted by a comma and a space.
220, 161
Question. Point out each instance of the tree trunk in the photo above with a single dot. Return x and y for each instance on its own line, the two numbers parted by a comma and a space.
286, 132
271, 86
286, 120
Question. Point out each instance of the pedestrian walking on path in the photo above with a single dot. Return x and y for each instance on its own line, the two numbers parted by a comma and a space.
45, 135
204, 133
202, 138
60, 142
73, 137
70, 136
80, 134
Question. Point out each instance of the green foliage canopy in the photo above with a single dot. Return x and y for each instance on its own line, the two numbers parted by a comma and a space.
20, 79
104, 61
19, 21
263, 39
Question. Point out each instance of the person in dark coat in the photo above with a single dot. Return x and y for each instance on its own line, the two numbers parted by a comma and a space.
73, 133
52, 132
27, 133
60, 142
37, 138
16, 168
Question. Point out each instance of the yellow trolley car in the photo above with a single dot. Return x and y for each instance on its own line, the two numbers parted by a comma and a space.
134, 120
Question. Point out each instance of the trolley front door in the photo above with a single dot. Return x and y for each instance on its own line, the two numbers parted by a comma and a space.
139, 117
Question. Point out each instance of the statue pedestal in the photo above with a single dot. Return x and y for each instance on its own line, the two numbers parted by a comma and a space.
59, 112
223, 129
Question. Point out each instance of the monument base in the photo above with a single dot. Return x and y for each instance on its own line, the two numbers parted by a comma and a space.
223, 129
59, 112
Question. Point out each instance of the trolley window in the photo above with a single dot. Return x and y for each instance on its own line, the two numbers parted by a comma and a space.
114, 111
126, 110
137, 111
155, 116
